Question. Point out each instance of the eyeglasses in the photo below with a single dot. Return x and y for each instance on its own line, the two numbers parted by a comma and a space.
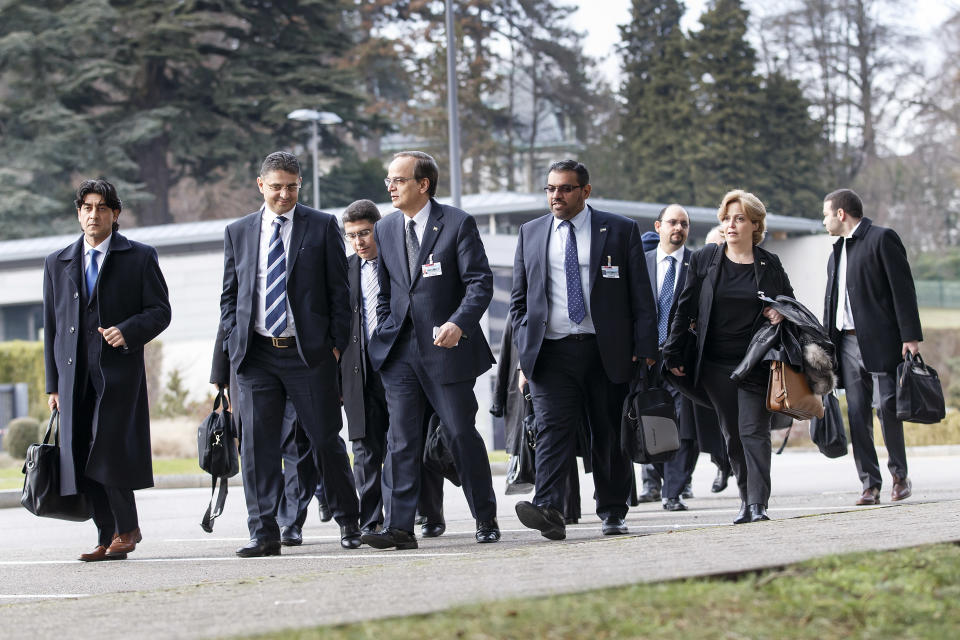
562, 188
396, 181
363, 233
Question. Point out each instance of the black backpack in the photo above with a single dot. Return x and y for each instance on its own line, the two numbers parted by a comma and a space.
217, 455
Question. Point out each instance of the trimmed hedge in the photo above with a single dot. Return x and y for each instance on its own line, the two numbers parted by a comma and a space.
22, 361
21, 433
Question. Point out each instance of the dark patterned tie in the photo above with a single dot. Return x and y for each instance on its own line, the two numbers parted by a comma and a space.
276, 302
576, 309
665, 300
91, 272
413, 248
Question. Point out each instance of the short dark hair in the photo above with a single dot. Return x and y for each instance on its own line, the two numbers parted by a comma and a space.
280, 161
102, 188
846, 199
361, 210
426, 167
583, 176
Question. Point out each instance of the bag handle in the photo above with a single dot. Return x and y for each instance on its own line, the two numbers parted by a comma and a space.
54, 417
911, 361
221, 398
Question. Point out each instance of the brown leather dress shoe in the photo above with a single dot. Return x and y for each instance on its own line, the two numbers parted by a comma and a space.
902, 488
124, 543
98, 554
869, 496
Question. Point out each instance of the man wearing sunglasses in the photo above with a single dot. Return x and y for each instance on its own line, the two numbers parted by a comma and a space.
584, 319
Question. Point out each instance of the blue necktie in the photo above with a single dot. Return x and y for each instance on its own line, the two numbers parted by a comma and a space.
91, 272
276, 303
665, 300
576, 309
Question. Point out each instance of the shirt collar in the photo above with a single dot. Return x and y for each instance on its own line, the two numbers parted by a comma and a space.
420, 218
271, 215
854, 230
102, 247
582, 218
661, 254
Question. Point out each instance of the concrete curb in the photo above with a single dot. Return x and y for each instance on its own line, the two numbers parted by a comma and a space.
11, 497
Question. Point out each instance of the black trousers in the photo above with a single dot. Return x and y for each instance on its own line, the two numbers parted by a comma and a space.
114, 509
860, 385
302, 475
745, 423
567, 383
410, 389
267, 377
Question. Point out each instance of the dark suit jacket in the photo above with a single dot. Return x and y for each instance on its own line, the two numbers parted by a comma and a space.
696, 299
461, 294
357, 377
623, 310
317, 289
681, 278
131, 294
883, 299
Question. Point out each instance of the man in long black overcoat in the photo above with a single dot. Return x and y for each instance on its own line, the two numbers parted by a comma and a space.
104, 298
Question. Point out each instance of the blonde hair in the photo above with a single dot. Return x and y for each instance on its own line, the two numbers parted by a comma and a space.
752, 208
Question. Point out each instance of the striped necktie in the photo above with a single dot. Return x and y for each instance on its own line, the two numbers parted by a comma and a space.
276, 302
370, 289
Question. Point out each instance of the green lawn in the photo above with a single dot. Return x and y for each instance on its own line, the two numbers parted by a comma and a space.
910, 593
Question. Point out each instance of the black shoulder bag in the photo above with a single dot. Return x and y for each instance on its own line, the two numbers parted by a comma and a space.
217, 455
41, 482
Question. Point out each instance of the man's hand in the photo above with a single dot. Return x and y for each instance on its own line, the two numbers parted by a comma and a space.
913, 347
336, 354
448, 336
677, 371
53, 401
521, 380
113, 336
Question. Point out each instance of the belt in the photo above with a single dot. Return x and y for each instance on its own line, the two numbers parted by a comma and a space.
277, 343
575, 337
849, 332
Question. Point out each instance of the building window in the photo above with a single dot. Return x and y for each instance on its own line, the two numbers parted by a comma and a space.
21, 321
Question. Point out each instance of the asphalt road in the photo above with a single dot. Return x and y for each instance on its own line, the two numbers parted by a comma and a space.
184, 583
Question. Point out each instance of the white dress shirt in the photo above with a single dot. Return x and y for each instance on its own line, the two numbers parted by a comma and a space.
266, 232
844, 319
663, 263
559, 324
102, 249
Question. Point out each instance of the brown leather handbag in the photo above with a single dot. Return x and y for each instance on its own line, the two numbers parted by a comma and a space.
788, 392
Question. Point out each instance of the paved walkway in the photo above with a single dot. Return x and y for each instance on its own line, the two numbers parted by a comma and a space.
183, 583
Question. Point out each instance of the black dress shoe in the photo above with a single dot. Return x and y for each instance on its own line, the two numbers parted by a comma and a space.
389, 538
613, 526
548, 521
570, 520
291, 536
674, 504
650, 494
758, 512
488, 531
687, 492
432, 529
720, 482
743, 515
258, 549
350, 536
325, 514
419, 519
371, 528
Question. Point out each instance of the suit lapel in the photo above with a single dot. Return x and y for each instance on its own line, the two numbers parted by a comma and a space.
598, 239
300, 224
251, 247
543, 243
430, 235
682, 276
73, 256
652, 272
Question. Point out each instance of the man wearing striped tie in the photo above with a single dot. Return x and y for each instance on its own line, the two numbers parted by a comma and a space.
285, 316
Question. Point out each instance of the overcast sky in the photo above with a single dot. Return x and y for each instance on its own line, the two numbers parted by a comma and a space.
599, 19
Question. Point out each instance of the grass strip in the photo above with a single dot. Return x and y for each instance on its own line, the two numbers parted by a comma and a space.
907, 593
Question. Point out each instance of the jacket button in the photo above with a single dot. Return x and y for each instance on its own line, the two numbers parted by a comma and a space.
75, 295
356, 338
72, 329
356, 369
69, 360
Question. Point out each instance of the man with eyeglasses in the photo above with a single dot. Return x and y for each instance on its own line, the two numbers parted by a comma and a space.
285, 316
435, 285
584, 321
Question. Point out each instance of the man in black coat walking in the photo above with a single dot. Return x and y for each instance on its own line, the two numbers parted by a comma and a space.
870, 309
104, 298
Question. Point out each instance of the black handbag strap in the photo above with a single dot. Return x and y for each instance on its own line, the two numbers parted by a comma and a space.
54, 420
215, 508
786, 437
222, 398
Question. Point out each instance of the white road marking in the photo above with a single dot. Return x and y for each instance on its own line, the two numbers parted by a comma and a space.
42, 596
